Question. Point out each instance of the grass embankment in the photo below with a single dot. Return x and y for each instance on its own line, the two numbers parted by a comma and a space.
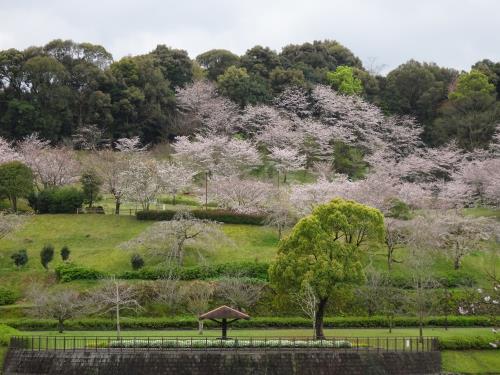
471, 361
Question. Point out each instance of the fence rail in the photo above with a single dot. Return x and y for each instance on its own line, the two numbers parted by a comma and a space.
378, 344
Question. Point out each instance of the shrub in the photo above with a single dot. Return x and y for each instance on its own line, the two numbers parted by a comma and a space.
223, 216
7, 296
467, 342
181, 199
65, 252
137, 262
5, 333
69, 272
46, 255
254, 270
20, 258
186, 322
57, 200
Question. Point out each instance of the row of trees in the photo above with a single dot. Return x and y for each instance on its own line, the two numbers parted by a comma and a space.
114, 296
62, 87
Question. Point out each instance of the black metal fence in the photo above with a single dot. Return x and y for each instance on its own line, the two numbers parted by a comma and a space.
378, 344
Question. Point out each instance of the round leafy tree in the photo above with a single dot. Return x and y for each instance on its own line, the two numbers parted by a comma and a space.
323, 251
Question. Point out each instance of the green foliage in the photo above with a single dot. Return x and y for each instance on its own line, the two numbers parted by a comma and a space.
7, 296
399, 210
344, 81
91, 185
136, 261
467, 342
349, 160
471, 114
46, 255
65, 253
323, 249
5, 333
242, 87
181, 199
70, 272
253, 270
16, 181
216, 61
20, 258
223, 216
187, 322
57, 200
472, 84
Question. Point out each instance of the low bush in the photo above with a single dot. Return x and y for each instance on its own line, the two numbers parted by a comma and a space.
190, 322
7, 296
63, 200
452, 279
69, 272
223, 216
254, 270
468, 342
5, 333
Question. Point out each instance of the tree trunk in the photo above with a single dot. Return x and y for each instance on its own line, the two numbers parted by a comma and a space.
421, 327
390, 323
60, 325
173, 199
14, 203
200, 327
456, 263
284, 177
117, 321
389, 260
117, 206
318, 322
446, 322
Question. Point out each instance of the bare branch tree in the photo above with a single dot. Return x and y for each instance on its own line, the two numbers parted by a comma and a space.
241, 293
307, 300
115, 296
197, 297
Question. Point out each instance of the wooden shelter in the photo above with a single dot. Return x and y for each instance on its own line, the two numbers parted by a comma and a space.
224, 315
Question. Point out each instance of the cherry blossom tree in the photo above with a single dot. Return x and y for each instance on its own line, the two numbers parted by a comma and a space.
129, 145
396, 232
51, 166
169, 239
287, 160
7, 152
460, 234
220, 155
141, 181
247, 196
215, 113
175, 178
280, 212
90, 137
294, 100
196, 296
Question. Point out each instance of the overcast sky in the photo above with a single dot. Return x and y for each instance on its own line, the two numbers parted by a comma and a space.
453, 33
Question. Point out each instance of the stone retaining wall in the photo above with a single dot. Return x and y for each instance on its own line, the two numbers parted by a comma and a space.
231, 362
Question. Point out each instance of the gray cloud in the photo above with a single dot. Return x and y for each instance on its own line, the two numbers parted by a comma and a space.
454, 33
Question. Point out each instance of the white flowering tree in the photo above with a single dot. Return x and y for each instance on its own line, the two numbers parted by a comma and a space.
141, 181
52, 167
241, 195
287, 160
220, 155
7, 152
175, 178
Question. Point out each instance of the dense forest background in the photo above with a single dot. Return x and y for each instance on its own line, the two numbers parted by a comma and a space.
64, 86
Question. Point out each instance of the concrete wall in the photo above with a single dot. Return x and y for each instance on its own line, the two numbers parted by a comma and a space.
241, 362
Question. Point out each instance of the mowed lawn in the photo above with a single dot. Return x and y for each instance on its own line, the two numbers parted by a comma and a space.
94, 242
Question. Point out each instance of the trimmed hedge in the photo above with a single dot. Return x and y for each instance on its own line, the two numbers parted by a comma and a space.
188, 322
468, 342
69, 272
223, 216
64, 200
254, 270
7, 296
